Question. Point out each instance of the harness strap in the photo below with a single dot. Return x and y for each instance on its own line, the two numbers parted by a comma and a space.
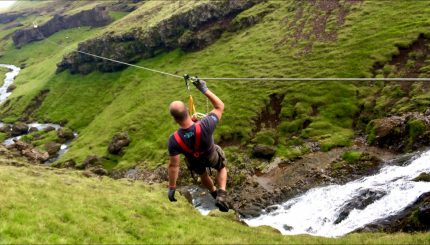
195, 153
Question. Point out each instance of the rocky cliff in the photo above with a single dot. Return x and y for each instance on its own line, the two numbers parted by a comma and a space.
190, 30
95, 17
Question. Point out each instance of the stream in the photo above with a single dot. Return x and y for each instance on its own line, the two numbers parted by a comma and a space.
336, 210
9, 79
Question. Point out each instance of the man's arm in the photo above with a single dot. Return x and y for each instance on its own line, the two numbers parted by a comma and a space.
173, 176
216, 102
173, 171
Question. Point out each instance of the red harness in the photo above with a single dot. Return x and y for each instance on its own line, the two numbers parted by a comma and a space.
195, 152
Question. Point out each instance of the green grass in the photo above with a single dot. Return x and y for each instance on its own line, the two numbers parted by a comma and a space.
102, 210
99, 105
3, 71
351, 157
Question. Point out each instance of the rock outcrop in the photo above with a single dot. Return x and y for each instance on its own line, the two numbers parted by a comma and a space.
9, 17
191, 30
30, 152
415, 217
118, 143
95, 17
263, 151
400, 133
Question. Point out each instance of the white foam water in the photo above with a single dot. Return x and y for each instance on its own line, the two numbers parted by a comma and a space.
10, 76
316, 211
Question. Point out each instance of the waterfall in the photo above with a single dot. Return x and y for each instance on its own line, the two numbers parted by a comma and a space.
336, 210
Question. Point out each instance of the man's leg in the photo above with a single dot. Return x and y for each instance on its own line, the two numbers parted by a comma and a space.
207, 181
221, 178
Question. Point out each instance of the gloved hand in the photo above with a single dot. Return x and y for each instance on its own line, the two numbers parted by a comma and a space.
200, 84
171, 194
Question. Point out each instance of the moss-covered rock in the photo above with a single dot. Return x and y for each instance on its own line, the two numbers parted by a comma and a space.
423, 177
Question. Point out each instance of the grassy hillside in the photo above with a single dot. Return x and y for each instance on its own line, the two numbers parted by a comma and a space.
44, 205
288, 42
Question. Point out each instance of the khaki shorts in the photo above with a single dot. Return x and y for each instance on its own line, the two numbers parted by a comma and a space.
216, 160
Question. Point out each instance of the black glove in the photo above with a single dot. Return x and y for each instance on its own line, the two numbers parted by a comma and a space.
200, 84
171, 194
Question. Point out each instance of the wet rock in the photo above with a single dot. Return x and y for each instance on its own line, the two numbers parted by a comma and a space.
6, 129
287, 227
33, 129
250, 212
263, 151
118, 143
52, 148
424, 214
65, 133
96, 17
423, 177
19, 128
49, 129
364, 199
413, 218
11, 88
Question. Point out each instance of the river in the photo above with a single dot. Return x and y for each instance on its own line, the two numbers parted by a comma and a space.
9, 79
329, 211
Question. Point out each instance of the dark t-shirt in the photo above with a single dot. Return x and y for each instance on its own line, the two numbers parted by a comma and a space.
208, 125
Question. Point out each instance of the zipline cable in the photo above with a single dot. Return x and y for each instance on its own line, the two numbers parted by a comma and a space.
345, 79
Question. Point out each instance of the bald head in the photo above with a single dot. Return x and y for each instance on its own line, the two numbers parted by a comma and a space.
178, 110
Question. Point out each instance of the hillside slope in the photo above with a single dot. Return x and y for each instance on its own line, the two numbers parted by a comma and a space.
45, 205
291, 39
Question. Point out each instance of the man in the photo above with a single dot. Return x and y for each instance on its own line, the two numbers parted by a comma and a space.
195, 141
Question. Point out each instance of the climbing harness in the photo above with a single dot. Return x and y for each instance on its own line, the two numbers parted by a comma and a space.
195, 153
195, 116
198, 132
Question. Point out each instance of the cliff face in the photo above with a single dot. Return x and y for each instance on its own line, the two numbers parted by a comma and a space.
95, 17
190, 30
9, 17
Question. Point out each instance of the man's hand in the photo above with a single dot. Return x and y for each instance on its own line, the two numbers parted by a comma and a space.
171, 194
200, 85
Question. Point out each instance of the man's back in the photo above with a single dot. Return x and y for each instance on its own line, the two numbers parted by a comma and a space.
208, 125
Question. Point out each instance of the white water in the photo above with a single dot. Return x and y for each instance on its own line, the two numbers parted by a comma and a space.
315, 211
10, 76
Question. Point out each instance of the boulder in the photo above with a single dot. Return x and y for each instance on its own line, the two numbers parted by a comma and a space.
69, 164
35, 155
52, 148
6, 128
33, 129
19, 128
11, 88
400, 133
92, 160
49, 129
263, 151
118, 143
65, 133
423, 177
424, 214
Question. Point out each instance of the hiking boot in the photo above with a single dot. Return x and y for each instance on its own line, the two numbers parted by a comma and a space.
221, 200
214, 194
